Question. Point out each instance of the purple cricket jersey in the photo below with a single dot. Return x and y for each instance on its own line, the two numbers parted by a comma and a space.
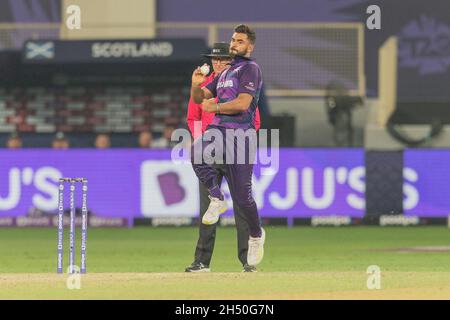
243, 76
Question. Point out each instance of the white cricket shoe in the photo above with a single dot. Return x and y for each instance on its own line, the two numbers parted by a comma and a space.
215, 209
255, 252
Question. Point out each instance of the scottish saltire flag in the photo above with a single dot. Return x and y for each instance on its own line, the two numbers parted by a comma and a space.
40, 50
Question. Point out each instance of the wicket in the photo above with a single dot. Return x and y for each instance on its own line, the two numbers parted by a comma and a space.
72, 230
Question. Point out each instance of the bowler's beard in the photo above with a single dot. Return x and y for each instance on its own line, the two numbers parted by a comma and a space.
240, 54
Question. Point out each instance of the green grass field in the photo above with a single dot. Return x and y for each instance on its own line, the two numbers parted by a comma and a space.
300, 263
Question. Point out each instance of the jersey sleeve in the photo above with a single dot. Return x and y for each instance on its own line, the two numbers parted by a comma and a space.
212, 86
249, 79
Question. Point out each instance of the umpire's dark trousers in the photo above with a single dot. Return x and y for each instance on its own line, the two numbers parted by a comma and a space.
207, 233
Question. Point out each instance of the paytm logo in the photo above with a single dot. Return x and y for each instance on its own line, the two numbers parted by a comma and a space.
168, 189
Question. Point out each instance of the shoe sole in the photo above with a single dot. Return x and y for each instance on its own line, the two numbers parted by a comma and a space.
213, 222
199, 271
262, 250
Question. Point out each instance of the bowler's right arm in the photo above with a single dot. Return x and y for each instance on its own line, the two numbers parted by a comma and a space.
198, 94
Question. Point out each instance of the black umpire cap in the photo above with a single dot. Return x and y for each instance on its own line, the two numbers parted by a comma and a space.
219, 50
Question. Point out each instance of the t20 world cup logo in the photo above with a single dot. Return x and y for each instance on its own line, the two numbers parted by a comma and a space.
425, 44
